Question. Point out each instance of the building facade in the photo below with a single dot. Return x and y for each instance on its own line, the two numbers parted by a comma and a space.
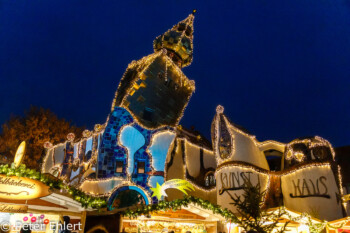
142, 145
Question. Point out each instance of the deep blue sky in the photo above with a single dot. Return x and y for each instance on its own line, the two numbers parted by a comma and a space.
281, 68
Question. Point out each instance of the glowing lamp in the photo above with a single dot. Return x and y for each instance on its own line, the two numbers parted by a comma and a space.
230, 226
303, 228
20, 154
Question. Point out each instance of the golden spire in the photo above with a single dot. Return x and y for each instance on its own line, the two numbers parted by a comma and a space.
178, 41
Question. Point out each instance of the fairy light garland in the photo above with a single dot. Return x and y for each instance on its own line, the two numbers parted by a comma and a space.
313, 225
311, 144
85, 200
178, 204
98, 130
119, 141
250, 167
185, 168
171, 130
188, 22
171, 147
145, 62
230, 128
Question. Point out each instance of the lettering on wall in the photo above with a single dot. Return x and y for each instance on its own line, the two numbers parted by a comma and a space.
310, 188
236, 180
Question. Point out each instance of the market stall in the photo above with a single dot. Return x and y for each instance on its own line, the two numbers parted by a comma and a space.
30, 200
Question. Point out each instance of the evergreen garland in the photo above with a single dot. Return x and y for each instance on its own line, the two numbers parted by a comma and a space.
78, 195
98, 203
177, 204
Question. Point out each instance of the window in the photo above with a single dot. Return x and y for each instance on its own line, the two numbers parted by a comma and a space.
148, 114
141, 167
274, 159
119, 167
210, 179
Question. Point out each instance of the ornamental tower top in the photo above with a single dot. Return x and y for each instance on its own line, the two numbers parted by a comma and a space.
154, 89
178, 42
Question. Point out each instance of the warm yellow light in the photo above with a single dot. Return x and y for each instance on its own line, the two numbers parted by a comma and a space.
20, 154
21, 188
303, 228
230, 226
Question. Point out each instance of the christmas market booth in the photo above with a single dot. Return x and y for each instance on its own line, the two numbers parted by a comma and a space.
182, 215
40, 202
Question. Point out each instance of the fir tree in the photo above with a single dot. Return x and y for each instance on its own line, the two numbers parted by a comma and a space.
253, 215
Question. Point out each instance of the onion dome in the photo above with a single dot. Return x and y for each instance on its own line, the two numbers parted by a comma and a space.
178, 42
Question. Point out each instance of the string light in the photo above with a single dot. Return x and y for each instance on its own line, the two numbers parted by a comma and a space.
189, 23
207, 190
145, 62
299, 156
98, 130
243, 166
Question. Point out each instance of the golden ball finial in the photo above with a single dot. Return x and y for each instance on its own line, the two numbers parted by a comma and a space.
194, 11
220, 109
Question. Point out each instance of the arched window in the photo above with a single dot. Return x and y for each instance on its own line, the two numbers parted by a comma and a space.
209, 180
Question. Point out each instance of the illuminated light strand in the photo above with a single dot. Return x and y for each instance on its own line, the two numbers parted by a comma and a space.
115, 188
247, 167
178, 204
145, 62
318, 227
185, 169
276, 173
272, 142
186, 162
170, 131
303, 167
132, 65
55, 184
132, 124
340, 180
216, 135
219, 160
119, 141
195, 145
86, 183
146, 192
230, 127
168, 156
95, 133
310, 144
189, 20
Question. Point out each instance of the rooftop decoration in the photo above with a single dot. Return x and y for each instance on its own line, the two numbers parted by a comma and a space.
179, 184
177, 204
178, 41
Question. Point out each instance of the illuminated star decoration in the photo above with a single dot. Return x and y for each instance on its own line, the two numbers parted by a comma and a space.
179, 184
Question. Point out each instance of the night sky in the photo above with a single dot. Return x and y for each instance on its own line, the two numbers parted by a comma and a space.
279, 67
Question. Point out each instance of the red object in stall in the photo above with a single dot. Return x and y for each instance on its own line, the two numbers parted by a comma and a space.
33, 219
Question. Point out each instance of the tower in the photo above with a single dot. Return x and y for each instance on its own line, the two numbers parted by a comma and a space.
154, 89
